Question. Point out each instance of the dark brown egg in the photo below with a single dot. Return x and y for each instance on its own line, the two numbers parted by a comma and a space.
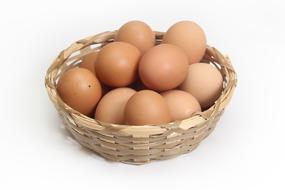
117, 64
147, 107
80, 89
138, 34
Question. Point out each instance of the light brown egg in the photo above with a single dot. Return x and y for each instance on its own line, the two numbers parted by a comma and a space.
204, 82
117, 64
181, 104
138, 34
146, 107
88, 61
80, 89
190, 37
163, 67
111, 107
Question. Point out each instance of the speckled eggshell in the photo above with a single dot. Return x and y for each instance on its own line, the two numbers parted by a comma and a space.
80, 89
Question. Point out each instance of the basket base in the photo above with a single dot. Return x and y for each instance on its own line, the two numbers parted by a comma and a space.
91, 142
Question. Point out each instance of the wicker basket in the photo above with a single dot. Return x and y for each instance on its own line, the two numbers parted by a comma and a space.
136, 144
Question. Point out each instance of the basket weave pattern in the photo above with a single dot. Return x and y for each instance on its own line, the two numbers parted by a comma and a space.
136, 144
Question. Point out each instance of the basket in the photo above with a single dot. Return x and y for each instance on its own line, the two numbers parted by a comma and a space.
137, 144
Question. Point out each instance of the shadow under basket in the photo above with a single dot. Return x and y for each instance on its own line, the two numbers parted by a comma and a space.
137, 144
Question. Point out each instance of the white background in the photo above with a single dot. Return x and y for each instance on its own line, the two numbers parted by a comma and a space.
245, 151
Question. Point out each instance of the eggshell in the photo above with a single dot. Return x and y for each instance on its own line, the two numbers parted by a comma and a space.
111, 107
138, 34
117, 64
88, 61
190, 37
146, 107
80, 89
163, 67
204, 82
181, 104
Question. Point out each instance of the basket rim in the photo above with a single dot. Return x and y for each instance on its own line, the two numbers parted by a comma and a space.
106, 37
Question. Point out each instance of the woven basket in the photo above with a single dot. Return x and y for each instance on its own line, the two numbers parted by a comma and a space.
136, 144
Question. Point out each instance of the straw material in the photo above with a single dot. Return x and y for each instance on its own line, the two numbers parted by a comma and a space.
137, 144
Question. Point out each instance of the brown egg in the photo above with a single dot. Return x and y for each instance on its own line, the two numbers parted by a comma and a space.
181, 104
80, 89
146, 107
138, 34
88, 61
117, 64
204, 82
111, 107
163, 67
190, 37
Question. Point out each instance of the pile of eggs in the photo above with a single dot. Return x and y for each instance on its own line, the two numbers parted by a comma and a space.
136, 82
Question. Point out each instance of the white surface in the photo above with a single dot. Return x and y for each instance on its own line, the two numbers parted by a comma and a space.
246, 150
